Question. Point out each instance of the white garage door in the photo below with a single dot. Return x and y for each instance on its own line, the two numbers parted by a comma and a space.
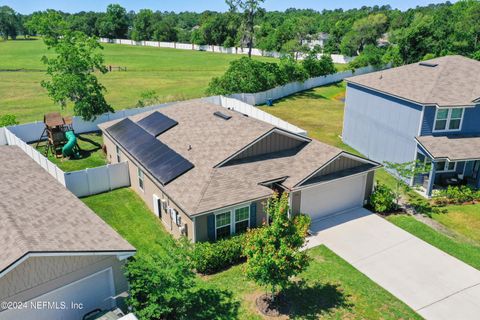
92, 292
333, 197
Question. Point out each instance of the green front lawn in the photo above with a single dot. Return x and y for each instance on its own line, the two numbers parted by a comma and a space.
464, 219
466, 252
333, 289
90, 156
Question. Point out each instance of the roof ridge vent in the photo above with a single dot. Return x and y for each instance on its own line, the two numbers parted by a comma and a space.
428, 64
221, 115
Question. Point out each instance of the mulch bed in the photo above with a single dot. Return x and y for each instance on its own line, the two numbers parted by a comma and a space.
280, 306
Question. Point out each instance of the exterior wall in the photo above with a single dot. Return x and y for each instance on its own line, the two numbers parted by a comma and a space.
150, 188
369, 184
274, 142
470, 124
296, 202
379, 126
39, 275
201, 221
340, 164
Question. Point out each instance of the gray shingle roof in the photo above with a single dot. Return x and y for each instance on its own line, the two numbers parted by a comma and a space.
454, 147
38, 214
213, 140
455, 81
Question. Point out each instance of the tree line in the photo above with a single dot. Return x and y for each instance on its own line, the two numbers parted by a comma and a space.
381, 31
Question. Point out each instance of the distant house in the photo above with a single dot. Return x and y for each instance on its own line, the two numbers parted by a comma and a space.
427, 111
55, 250
206, 171
312, 41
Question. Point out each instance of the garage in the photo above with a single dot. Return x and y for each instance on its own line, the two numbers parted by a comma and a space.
70, 302
333, 197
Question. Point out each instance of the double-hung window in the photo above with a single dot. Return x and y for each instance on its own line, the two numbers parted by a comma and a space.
448, 119
242, 217
140, 179
445, 166
223, 225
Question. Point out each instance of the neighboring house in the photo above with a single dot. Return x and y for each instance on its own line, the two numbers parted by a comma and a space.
427, 111
312, 41
55, 250
206, 171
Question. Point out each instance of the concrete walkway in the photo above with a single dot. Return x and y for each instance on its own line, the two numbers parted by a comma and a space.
433, 283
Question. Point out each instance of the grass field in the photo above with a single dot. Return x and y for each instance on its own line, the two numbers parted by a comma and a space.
464, 219
332, 289
172, 74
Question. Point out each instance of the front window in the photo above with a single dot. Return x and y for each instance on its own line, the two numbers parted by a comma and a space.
242, 217
222, 224
445, 166
140, 179
448, 119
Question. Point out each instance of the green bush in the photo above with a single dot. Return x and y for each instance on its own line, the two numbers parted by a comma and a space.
8, 120
211, 257
459, 194
382, 198
318, 67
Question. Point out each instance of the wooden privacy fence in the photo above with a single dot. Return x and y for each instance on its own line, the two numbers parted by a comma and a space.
337, 58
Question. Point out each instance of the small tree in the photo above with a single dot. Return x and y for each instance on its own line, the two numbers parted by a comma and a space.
8, 120
160, 285
273, 251
404, 172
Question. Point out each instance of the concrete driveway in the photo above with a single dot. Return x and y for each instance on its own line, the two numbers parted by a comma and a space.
433, 283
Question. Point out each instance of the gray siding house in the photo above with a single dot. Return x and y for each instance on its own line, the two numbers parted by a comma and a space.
206, 171
427, 111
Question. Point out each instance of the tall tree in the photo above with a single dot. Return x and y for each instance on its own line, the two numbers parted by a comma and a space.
9, 23
250, 8
114, 23
143, 25
72, 70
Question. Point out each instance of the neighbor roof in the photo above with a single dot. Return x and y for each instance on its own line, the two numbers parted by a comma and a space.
207, 140
453, 148
39, 215
448, 81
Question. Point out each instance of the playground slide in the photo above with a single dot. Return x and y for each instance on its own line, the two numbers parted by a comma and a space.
67, 149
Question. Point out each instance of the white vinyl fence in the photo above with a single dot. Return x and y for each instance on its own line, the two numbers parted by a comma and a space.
294, 87
337, 58
251, 111
81, 183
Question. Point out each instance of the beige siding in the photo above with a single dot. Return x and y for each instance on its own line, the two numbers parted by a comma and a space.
369, 184
39, 275
150, 188
296, 202
274, 142
339, 164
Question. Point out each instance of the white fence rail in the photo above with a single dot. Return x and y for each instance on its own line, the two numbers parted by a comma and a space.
293, 87
251, 111
337, 58
81, 183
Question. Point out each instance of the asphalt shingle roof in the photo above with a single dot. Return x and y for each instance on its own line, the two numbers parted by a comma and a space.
213, 140
38, 214
456, 147
454, 81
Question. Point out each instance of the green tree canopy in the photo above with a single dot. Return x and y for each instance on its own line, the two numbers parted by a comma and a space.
114, 23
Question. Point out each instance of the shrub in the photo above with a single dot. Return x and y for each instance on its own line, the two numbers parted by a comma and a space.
458, 195
8, 120
292, 70
211, 257
318, 67
382, 199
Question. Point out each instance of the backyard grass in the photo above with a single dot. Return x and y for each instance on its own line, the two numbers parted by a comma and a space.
463, 251
331, 288
91, 154
464, 219
172, 74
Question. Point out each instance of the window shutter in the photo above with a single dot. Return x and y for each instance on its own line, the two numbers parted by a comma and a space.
253, 215
211, 227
